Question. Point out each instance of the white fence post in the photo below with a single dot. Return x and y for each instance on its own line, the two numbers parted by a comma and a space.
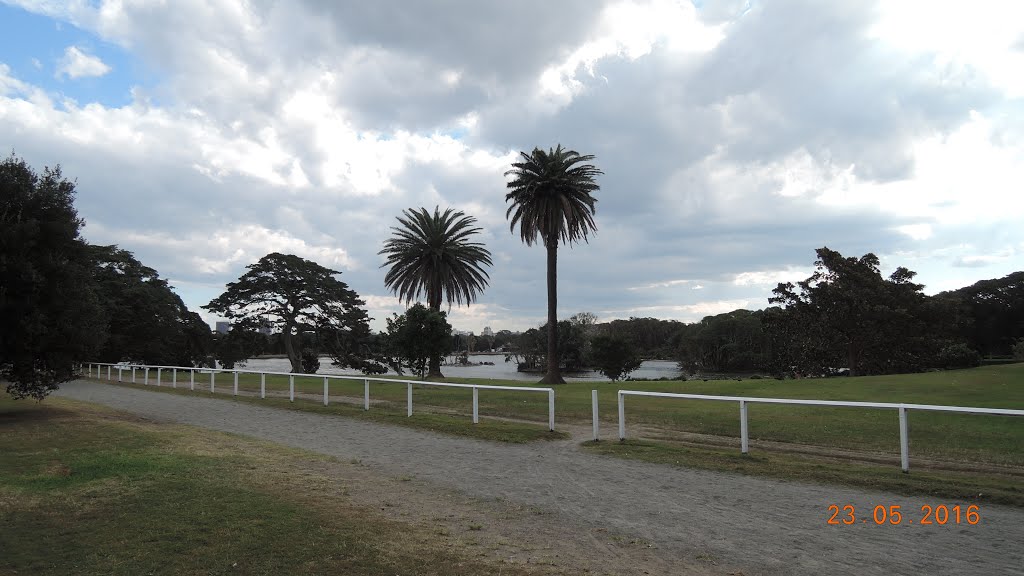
476, 405
133, 374
904, 441
145, 378
622, 418
236, 383
174, 378
366, 394
108, 374
593, 408
744, 443
158, 370
291, 388
192, 379
551, 410
408, 399
212, 378
263, 385
325, 390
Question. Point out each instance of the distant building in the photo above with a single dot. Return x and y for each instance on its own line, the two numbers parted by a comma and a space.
223, 327
487, 331
266, 329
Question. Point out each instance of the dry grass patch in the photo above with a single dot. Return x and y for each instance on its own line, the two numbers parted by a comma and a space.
86, 490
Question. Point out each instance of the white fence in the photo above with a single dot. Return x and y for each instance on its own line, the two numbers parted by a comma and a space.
743, 401
97, 367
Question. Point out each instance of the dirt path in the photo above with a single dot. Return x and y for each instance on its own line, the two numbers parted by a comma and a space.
667, 519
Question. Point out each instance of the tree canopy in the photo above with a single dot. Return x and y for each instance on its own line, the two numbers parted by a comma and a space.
614, 356
846, 315
299, 296
551, 195
417, 338
51, 314
996, 311
147, 322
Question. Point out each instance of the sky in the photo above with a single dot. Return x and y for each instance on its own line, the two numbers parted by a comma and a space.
735, 137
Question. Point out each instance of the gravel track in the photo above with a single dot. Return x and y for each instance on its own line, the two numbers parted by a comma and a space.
735, 523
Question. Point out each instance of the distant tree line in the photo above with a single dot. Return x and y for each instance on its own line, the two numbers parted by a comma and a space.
845, 318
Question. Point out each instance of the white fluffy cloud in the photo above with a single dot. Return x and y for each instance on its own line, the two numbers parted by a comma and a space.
78, 64
735, 139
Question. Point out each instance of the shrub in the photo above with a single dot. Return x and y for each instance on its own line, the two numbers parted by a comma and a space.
310, 361
1018, 350
958, 356
614, 357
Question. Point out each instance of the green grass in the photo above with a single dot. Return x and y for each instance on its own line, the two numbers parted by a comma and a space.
959, 437
89, 491
978, 486
391, 411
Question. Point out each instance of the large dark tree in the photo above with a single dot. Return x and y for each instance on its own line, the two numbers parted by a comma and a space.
50, 317
551, 201
147, 322
847, 315
298, 296
434, 256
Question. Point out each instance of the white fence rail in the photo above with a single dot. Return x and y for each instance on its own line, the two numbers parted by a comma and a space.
95, 370
744, 401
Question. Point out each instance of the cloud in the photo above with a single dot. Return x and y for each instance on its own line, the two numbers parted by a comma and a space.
770, 278
77, 64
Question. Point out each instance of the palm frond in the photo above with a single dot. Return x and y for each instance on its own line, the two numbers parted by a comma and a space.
434, 256
551, 196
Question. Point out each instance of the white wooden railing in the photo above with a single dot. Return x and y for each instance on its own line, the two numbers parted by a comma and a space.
97, 368
744, 401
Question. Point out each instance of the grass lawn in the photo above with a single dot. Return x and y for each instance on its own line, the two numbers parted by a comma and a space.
962, 437
85, 490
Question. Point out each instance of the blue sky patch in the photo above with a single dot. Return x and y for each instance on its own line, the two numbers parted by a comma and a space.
33, 46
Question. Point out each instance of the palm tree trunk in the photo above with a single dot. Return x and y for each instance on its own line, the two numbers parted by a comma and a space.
434, 367
554, 373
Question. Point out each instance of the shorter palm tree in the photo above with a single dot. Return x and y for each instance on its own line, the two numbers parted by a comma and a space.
433, 255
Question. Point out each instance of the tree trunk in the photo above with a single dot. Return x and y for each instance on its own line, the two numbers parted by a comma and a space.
289, 348
554, 373
434, 367
852, 358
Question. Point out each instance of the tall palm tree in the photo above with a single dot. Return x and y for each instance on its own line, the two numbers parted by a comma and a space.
433, 255
551, 200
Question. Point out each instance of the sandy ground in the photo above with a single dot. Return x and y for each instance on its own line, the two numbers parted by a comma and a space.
551, 504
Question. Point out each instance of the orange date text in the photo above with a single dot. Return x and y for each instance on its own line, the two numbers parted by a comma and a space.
895, 515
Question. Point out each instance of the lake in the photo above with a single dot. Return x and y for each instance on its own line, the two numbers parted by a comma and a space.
501, 370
